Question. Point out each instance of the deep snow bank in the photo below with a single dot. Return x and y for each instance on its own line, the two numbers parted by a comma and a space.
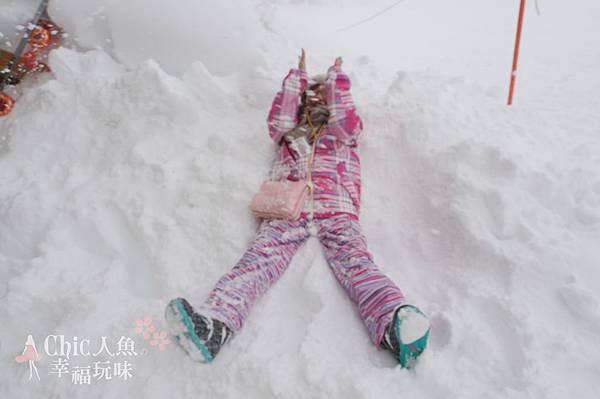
124, 188
223, 35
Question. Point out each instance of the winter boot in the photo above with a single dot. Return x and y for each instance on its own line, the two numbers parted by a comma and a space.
201, 337
406, 336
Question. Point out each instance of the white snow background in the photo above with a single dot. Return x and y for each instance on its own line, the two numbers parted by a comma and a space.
126, 174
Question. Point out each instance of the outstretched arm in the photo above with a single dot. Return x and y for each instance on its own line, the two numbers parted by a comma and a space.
284, 110
344, 122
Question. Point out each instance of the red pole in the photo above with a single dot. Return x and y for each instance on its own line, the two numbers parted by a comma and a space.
513, 74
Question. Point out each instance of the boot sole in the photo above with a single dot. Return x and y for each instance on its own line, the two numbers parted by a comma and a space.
181, 327
409, 352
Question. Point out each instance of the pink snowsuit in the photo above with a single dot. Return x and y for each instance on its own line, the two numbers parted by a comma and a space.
336, 177
336, 167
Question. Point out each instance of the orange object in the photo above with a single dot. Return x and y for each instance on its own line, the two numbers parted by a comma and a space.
40, 38
29, 60
513, 73
54, 31
6, 104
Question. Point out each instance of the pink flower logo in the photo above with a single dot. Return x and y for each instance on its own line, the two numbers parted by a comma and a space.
146, 328
160, 339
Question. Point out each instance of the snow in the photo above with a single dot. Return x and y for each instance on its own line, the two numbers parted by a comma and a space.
126, 174
414, 326
218, 30
12, 14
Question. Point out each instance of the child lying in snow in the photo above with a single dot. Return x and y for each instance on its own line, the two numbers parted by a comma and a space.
392, 324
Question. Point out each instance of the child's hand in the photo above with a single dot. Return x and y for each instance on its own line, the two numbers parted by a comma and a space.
338, 62
302, 61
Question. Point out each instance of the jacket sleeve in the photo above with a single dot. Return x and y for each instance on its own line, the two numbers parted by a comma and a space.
344, 122
283, 115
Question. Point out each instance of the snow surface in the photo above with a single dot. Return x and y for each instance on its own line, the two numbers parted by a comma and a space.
414, 326
13, 17
126, 174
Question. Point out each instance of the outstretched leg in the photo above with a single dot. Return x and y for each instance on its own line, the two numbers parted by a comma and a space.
261, 265
203, 331
375, 294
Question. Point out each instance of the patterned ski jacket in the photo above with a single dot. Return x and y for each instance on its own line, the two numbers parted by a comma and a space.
336, 167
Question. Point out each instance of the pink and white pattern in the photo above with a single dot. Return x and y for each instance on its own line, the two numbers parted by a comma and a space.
336, 167
337, 190
270, 254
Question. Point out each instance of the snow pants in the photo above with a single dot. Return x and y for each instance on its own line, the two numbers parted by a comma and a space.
270, 253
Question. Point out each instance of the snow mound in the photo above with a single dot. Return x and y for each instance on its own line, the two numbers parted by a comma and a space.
140, 185
214, 32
